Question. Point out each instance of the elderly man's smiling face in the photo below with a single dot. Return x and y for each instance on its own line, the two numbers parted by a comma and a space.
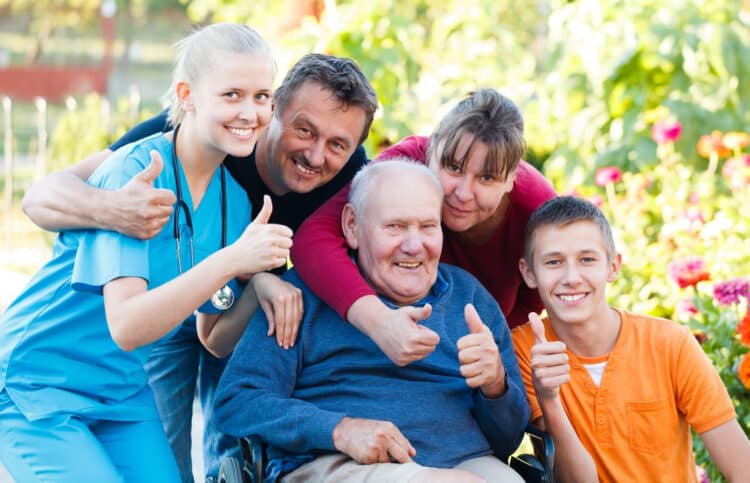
397, 233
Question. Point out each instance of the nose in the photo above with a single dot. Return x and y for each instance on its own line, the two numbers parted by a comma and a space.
249, 112
464, 190
316, 153
412, 242
572, 274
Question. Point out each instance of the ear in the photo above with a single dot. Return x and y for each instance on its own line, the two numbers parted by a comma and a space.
527, 273
349, 226
184, 95
614, 268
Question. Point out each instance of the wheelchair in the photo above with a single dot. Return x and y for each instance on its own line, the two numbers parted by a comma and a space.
250, 467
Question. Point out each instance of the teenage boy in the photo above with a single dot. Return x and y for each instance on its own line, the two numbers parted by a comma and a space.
617, 391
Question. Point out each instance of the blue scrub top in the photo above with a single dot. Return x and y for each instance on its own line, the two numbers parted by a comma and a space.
56, 352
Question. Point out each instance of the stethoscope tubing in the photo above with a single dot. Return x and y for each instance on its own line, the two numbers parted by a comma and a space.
224, 297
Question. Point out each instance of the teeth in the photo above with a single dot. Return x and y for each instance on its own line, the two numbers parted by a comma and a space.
240, 131
408, 264
304, 169
572, 298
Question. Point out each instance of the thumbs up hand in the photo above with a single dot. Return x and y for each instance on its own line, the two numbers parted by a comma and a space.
138, 209
479, 356
549, 362
262, 246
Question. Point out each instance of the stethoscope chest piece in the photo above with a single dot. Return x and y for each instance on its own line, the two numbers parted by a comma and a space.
223, 298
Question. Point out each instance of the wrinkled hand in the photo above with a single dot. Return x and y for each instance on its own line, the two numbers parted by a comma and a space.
479, 356
138, 209
549, 362
282, 303
369, 441
262, 246
401, 337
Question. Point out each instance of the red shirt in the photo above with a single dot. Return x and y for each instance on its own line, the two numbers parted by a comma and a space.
320, 251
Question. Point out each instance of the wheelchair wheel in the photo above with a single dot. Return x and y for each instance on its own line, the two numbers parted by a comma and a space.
230, 471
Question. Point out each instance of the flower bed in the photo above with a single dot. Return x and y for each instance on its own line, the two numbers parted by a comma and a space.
685, 238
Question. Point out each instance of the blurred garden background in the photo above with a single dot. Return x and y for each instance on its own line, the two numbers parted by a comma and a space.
642, 106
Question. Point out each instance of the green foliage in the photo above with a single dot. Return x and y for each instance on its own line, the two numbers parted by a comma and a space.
45, 16
89, 128
609, 62
717, 326
420, 56
57, 13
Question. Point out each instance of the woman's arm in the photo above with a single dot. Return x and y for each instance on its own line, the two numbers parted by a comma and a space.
137, 316
219, 333
281, 302
321, 258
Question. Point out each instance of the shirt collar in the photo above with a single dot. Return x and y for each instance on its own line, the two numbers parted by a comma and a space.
436, 291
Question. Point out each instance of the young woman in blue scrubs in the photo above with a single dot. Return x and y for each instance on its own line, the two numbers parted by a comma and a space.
74, 399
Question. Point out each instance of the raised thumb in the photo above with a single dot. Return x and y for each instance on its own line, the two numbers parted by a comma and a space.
537, 327
420, 313
473, 322
153, 169
265, 212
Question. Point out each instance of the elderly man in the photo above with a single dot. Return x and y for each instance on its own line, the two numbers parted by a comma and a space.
312, 147
337, 404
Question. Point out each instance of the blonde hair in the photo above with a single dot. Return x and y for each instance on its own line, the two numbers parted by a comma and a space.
198, 51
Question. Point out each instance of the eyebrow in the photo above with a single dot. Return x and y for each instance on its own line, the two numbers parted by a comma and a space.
588, 251
406, 221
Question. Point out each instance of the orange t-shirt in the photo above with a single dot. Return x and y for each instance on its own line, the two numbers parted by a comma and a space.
657, 381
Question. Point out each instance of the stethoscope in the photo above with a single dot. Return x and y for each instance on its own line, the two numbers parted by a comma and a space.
223, 298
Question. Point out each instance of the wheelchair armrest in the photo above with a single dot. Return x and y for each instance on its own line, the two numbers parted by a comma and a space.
253, 452
539, 467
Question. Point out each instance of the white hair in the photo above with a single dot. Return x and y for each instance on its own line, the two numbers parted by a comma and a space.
198, 51
365, 180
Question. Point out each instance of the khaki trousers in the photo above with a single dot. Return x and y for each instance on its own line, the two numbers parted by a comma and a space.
338, 467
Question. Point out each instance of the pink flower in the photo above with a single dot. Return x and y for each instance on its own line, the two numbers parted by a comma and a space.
737, 171
702, 475
694, 214
685, 309
596, 200
730, 291
687, 272
666, 131
608, 174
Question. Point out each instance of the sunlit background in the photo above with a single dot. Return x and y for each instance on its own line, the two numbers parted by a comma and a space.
620, 100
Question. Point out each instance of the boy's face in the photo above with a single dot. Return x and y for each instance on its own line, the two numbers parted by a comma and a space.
571, 271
